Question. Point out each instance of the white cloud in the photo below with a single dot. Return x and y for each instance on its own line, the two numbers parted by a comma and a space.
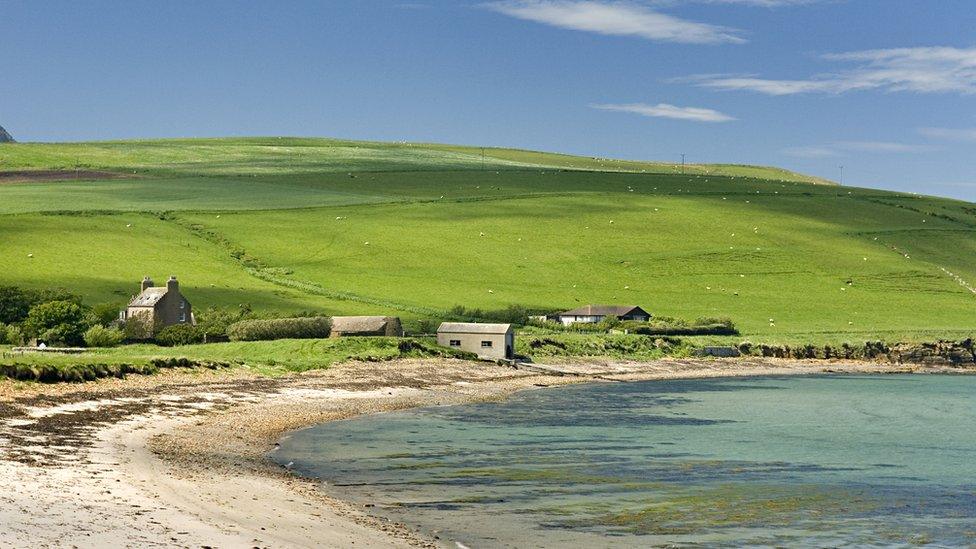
919, 70
616, 18
811, 152
953, 134
664, 110
841, 148
763, 3
882, 147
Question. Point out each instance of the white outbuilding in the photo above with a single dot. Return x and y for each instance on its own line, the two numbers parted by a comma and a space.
488, 341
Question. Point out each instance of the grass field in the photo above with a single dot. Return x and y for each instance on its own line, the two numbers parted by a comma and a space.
410, 229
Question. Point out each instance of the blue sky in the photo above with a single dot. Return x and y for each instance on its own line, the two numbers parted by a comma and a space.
883, 87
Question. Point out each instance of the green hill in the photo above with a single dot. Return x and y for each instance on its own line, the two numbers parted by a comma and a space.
414, 229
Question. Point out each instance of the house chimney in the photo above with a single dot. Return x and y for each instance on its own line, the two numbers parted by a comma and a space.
146, 283
172, 285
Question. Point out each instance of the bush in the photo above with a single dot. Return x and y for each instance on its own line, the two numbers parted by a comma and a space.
179, 334
513, 314
280, 328
16, 303
216, 320
58, 322
13, 335
136, 328
106, 314
100, 336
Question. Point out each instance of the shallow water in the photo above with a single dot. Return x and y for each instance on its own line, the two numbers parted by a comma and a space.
799, 461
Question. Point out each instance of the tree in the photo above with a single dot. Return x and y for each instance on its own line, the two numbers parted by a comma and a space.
61, 322
15, 303
100, 336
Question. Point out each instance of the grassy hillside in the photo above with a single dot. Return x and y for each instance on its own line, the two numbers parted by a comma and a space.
411, 229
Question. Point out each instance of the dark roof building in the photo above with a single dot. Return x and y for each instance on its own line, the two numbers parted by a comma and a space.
597, 313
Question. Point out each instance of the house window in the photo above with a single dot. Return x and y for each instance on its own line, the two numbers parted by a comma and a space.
182, 317
486, 344
182, 304
455, 343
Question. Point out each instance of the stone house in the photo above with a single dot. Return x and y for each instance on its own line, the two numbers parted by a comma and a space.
592, 314
158, 307
344, 326
488, 341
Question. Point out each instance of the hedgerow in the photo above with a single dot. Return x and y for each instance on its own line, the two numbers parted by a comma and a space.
280, 328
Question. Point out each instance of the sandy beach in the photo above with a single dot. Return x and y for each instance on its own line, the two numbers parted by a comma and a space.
180, 459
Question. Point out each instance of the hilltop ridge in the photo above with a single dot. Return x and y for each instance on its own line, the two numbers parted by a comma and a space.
274, 155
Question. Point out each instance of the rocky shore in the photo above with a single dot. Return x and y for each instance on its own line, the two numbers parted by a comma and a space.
180, 459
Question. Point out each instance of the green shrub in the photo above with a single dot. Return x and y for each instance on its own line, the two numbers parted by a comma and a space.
58, 322
179, 334
513, 314
216, 320
136, 328
100, 336
106, 314
280, 328
16, 303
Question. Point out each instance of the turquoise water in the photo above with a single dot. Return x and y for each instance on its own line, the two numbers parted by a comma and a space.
797, 461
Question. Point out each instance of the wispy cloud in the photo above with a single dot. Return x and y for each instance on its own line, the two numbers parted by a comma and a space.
764, 3
664, 110
811, 152
843, 148
953, 134
882, 147
919, 70
616, 18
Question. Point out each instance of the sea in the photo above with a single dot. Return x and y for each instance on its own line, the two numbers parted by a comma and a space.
795, 461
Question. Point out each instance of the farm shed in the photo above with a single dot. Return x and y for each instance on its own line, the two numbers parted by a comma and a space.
591, 314
158, 307
366, 326
489, 341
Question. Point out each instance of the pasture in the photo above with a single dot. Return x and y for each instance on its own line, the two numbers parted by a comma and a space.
361, 228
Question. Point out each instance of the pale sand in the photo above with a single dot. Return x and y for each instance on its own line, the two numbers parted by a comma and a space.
180, 459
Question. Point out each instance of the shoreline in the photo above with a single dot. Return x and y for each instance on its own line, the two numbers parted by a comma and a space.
181, 459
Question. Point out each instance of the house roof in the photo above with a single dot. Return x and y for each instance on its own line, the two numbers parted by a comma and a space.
149, 297
345, 324
604, 310
473, 328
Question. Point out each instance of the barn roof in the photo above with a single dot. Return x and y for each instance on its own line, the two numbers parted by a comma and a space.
347, 324
473, 328
149, 297
604, 310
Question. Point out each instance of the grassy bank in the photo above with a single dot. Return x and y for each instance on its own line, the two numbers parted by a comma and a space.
340, 227
266, 357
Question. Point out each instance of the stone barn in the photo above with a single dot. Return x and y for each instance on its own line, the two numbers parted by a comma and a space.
158, 307
488, 341
345, 326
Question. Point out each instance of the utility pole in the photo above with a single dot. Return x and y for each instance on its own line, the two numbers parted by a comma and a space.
682, 163
841, 174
